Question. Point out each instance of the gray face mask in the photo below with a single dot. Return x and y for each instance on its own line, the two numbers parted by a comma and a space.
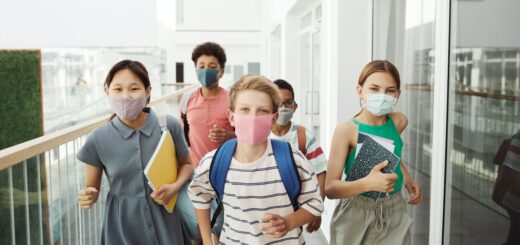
284, 116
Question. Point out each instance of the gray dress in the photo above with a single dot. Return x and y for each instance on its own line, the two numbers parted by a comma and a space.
131, 216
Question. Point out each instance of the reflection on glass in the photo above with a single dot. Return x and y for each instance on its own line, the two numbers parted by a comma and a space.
404, 35
483, 112
72, 81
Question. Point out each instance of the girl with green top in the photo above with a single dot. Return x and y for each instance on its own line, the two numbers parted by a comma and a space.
359, 219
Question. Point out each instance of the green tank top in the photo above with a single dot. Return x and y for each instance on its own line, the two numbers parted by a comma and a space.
387, 130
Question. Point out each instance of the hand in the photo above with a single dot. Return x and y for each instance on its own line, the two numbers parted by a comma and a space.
217, 134
314, 225
379, 181
414, 190
274, 225
163, 195
87, 197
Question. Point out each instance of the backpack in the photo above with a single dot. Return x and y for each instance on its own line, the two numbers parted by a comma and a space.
184, 107
302, 141
284, 160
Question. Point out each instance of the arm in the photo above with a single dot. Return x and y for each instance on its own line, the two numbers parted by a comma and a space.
203, 216
278, 226
89, 195
311, 204
335, 188
202, 194
411, 186
218, 134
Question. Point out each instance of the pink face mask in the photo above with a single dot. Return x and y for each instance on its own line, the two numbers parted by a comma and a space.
125, 108
253, 130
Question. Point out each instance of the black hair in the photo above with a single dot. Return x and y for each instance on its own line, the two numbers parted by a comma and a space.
135, 67
282, 84
210, 49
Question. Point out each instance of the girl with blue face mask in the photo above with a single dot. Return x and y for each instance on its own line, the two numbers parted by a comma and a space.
359, 219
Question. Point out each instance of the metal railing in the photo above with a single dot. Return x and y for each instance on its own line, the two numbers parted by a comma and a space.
39, 180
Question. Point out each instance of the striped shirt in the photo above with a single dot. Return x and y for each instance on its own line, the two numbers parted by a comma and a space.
252, 190
314, 154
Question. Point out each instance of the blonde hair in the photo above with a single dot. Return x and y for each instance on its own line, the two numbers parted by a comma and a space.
257, 83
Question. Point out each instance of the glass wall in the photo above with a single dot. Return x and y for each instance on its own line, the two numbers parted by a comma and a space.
403, 33
484, 110
72, 81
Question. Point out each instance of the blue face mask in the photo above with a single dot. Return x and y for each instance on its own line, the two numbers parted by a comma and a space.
380, 104
207, 76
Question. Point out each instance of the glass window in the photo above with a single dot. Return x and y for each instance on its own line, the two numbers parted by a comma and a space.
403, 34
482, 196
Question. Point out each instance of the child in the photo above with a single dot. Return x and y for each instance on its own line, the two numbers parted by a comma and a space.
257, 207
206, 126
302, 139
357, 218
122, 148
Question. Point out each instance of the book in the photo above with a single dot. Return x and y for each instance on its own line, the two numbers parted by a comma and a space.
162, 167
370, 154
387, 143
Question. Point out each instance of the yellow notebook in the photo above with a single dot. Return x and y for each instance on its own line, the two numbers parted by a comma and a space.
162, 167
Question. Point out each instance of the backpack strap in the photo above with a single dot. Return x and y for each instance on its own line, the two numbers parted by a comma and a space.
218, 172
184, 107
302, 140
288, 170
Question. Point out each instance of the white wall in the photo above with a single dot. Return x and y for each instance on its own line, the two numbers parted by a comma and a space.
66, 23
222, 15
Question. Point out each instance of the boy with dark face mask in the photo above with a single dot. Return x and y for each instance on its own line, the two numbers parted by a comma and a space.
205, 122
301, 138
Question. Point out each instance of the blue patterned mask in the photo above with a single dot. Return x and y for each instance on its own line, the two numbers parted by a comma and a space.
380, 104
207, 76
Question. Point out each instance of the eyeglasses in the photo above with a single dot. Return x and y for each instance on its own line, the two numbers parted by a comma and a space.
289, 102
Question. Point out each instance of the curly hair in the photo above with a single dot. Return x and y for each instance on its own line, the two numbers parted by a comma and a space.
211, 49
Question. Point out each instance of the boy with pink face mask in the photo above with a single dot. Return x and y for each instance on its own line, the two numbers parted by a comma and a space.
257, 208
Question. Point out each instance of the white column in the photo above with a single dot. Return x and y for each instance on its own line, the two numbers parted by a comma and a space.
347, 48
440, 108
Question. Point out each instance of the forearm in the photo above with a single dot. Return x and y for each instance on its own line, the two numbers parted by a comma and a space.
338, 189
93, 176
185, 172
404, 169
298, 218
203, 216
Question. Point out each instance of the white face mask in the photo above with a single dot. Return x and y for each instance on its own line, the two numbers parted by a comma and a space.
284, 116
380, 104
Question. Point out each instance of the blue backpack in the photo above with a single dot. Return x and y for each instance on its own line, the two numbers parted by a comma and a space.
284, 160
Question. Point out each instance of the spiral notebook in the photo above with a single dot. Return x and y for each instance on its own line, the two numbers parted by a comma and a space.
371, 153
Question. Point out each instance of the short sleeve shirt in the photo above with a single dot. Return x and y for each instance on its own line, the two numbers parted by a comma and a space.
314, 153
123, 153
202, 114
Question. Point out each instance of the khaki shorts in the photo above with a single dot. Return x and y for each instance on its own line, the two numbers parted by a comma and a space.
361, 220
